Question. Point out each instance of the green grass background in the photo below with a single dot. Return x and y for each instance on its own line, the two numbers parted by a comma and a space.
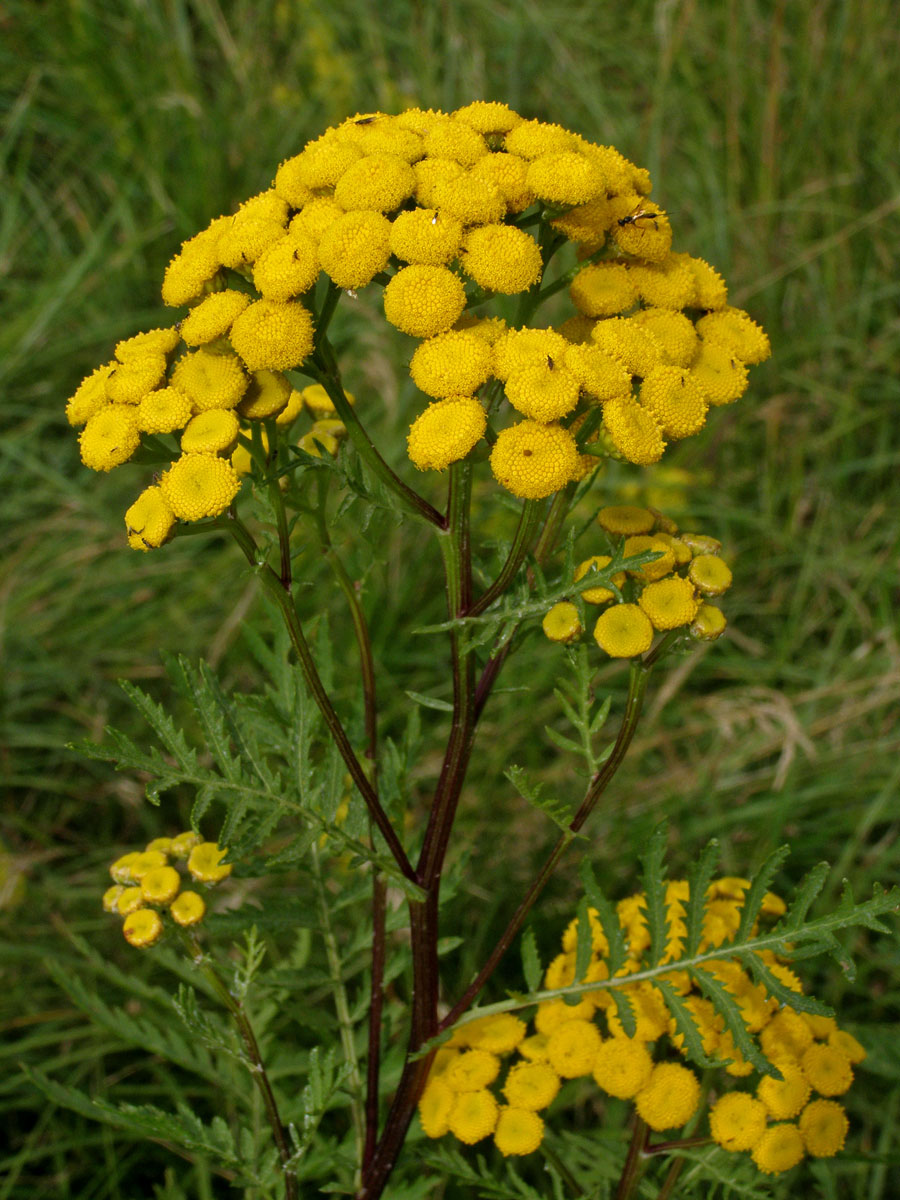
771, 132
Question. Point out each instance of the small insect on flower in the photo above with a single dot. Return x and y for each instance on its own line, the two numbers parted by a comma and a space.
643, 214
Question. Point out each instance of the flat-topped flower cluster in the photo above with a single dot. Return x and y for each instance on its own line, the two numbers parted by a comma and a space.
496, 1076
437, 209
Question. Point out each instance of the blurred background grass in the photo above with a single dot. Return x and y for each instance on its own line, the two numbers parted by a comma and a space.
772, 140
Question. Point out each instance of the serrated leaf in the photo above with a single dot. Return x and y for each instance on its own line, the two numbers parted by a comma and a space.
757, 891
727, 1008
556, 810
624, 1011
773, 985
699, 879
685, 1024
652, 877
561, 742
807, 891
583, 941
531, 962
608, 917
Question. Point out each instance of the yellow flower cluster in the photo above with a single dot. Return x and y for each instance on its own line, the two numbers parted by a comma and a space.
147, 885
466, 1096
666, 594
438, 209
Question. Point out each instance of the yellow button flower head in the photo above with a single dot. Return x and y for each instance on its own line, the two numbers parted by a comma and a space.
648, 236
497, 1034
111, 898
532, 460
598, 595
445, 432
551, 1014
422, 300
501, 258
273, 337
720, 376
586, 225
472, 1070
267, 394
659, 566
674, 331
429, 173
711, 576
635, 347
151, 341
531, 139
291, 410
667, 284
110, 437
205, 863
534, 1048
247, 238
355, 247
622, 1066
320, 164
567, 178
288, 268
508, 173
786, 1097
673, 397
519, 1131
378, 133
633, 431
318, 401
562, 623
424, 235
120, 870
129, 382
603, 289
473, 1116
669, 603
544, 391
517, 349
823, 1126
379, 183
143, 928
845, 1042
199, 485
470, 198
598, 372
779, 1149
455, 363
737, 332
708, 624
210, 380
623, 631
183, 843
827, 1069
650, 1014
626, 519
211, 432
488, 116
213, 317
90, 395
191, 271
788, 1031
289, 184
572, 1048
316, 218
737, 1121
129, 901
434, 1108
149, 521
163, 411
711, 291
456, 140
823, 1028
188, 909
160, 886
531, 1085
670, 1098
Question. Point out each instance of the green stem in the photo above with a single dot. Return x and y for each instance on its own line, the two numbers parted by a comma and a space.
524, 535
634, 1163
562, 1170
251, 1046
323, 317
345, 1021
322, 367
284, 600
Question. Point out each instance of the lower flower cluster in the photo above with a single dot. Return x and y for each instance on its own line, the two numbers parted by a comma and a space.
670, 592
147, 885
496, 1076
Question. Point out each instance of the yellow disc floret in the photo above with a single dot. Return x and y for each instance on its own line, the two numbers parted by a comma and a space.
211, 432
160, 886
531, 1085
823, 1126
188, 909
455, 363
562, 623
143, 928
210, 380
110, 437
501, 258
737, 1121
622, 1066
710, 574
626, 519
532, 460
288, 268
720, 376
163, 411
598, 595
603, 289
623, 631
434, 1108
149, 520
377, 183
272, 336
90, 395
423, 301
472, 1070
827, 1069
669, 603
519, 1131
779, 1149
268, 393
199, 485
424, 235
785, 1097
737, 332
544, 391
213, 317
473, 1116
445, 432
205, 862
633, 431
670, 1098
673, 397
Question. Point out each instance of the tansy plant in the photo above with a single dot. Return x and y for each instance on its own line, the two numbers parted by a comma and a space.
465, 225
